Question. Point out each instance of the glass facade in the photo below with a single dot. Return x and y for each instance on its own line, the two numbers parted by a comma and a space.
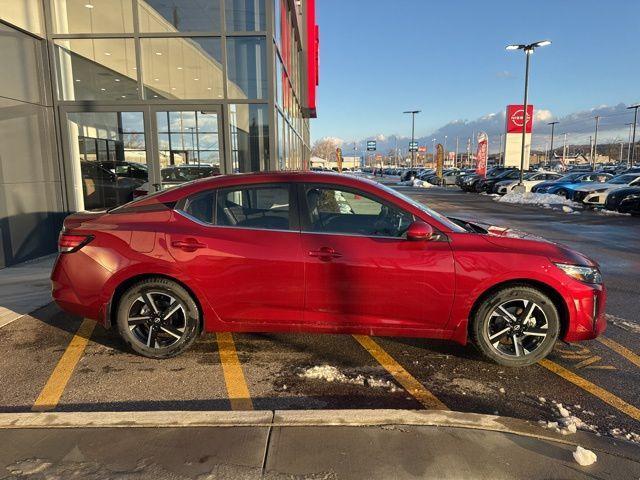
148, 93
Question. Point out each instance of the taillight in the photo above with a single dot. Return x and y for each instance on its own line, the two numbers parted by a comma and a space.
68, 243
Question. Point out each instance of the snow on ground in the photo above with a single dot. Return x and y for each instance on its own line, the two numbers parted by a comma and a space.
545, 200
330, 373
627, 325
416, 183
584, 457
566, 421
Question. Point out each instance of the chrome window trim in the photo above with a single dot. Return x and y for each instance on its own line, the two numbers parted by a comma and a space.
205, 224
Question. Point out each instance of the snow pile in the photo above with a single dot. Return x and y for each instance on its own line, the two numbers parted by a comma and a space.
415, 183
332, 374
604, 211
566, 422
624, 435
543, 199
584, 457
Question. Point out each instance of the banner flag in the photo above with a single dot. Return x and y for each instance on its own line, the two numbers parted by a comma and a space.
482, 154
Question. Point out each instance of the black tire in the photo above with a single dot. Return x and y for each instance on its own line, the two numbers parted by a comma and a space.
183, 323
486, 320
562, 192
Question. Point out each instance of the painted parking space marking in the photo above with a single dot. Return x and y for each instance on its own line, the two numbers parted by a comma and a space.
583, 357
54, 388
595, 390
234, 378
404, 378
620, 349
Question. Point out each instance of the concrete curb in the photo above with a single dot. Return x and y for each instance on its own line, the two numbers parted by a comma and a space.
313, 419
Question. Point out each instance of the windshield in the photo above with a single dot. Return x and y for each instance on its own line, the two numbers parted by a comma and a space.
438, 216
570, 177
623, 179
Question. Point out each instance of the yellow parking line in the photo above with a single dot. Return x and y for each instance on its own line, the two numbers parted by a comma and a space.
54, 388
624, 351
233, 375
404, 378
593, 389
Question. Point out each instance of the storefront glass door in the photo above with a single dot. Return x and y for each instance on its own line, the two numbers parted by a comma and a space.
187, 144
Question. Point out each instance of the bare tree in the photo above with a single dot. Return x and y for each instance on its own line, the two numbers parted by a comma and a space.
326, 148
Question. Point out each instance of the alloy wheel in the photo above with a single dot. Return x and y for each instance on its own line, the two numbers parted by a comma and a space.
157, 319
517, 327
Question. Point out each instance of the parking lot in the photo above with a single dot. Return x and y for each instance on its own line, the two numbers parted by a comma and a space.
54, 361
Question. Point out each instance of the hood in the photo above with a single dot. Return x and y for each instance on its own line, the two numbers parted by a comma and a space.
506, 182
530, 244
624, 191
595, 187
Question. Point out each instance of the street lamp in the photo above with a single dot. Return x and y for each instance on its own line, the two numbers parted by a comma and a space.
528, 50
635, 122
629, 149
553, 127
413, 132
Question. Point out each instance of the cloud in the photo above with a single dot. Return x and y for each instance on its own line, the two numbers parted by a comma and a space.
504, 74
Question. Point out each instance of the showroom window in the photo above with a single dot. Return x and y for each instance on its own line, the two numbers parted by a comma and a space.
163, 16
92, 16
249, 137
353, 213
247, 67
245, 15
182, 68
96, 69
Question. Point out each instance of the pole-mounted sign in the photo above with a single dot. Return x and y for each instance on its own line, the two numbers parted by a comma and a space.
413, 146
371, 146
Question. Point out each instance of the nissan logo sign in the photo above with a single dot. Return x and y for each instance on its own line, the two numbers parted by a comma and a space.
517, 118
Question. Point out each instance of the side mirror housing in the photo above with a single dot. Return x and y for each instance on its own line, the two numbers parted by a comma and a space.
419, 231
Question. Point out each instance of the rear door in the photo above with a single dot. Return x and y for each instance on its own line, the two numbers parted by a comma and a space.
242, 246
360, 269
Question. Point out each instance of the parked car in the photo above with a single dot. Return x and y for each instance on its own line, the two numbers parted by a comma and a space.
409, 175
174, 175
593, 195
487, 184
561, 185
630, 203
469, 182
448, 177
615, 198
529, 180
271, 252
103, 188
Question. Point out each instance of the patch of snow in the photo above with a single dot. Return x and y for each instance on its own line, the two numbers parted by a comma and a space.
415, 183
584, 457
545, 200
604, 211
625, 435
502, 390
624, 324
330, 373
566, 423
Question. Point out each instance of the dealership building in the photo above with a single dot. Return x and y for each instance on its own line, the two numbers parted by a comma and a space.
105, 100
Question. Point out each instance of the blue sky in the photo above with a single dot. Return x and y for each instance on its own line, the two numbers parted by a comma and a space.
447, 58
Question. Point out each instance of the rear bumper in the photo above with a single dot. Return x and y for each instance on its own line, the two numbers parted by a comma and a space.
77, 283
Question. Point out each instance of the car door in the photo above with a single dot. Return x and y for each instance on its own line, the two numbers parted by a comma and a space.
242, 246
360, 270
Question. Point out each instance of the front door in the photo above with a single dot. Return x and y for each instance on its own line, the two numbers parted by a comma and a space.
187, 143
361, 271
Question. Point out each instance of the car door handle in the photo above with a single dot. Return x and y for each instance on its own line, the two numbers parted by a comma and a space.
325, 253
189, 245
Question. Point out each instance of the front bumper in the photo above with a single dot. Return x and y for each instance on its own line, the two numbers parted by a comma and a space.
587, 318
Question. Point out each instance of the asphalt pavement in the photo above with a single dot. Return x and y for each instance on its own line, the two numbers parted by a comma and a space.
52, 363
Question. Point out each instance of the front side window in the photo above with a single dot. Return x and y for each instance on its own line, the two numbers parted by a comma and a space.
264, 207
349, 212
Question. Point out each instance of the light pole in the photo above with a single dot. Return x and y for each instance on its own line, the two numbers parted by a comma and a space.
433, 152
413, 134
594, 157
455, 162
629, 149
528, 50
635, 122
553, 127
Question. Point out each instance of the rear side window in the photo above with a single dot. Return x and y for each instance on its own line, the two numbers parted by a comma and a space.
266, 207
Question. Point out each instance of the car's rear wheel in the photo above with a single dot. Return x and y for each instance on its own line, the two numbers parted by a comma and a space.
158, 318
562, 192
516, 326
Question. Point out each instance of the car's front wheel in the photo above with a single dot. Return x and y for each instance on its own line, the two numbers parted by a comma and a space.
158, 318
516, 326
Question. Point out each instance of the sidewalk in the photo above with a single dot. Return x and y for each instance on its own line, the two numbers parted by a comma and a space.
338, 444
24, 288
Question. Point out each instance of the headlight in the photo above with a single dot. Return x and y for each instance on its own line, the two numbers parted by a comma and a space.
584, 274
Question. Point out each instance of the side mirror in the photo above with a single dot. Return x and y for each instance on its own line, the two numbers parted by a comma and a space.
419, 231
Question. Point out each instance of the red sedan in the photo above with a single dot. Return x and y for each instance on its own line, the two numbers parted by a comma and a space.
318, 252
